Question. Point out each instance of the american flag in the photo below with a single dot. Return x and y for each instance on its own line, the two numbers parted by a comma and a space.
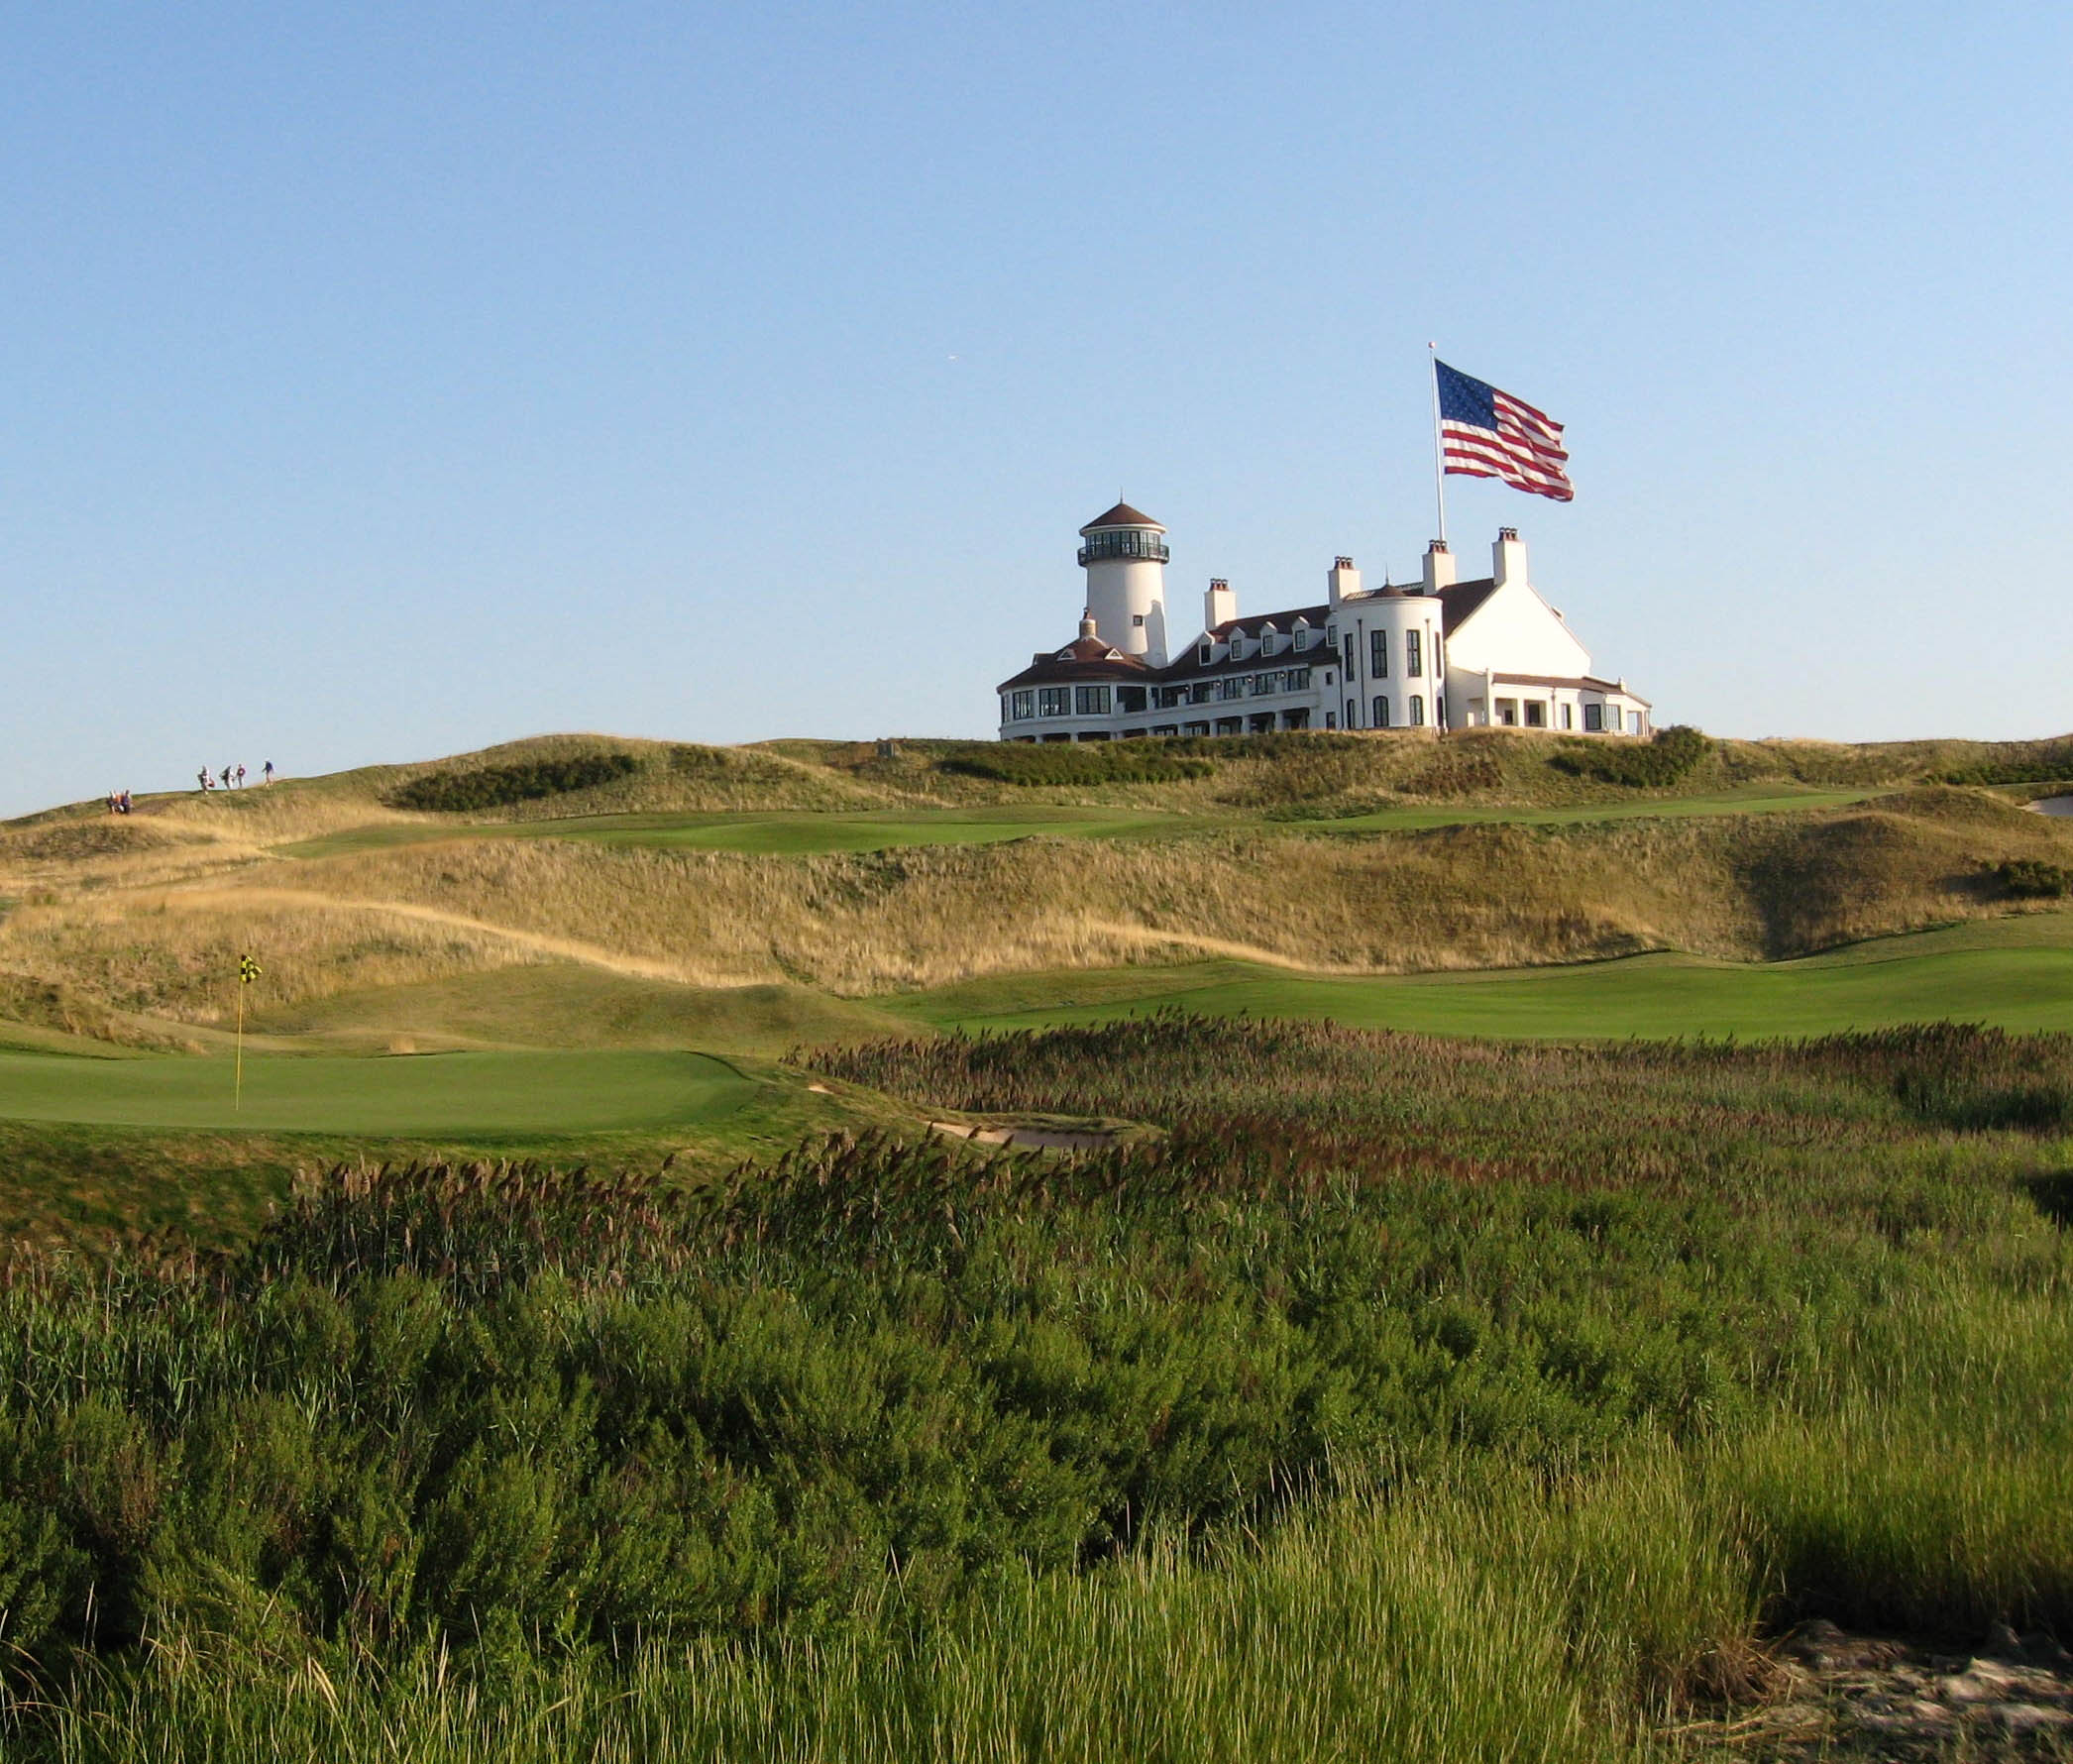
1485, 433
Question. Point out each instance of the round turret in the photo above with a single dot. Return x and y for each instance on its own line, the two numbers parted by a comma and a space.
1401, 656
1125, 557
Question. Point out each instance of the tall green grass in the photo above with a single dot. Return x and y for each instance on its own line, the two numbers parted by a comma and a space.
1401, 1399
1484, 1620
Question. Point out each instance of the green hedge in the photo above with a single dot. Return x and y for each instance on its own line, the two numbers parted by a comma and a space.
2043, 762
1642, 764
1073, 763
2031, 878
493, 787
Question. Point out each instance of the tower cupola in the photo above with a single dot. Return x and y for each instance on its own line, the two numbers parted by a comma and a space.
1124, 552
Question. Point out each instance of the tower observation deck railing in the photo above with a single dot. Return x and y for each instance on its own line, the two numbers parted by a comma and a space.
1125, 542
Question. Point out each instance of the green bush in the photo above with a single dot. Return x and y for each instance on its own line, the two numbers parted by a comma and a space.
1075, 763
2031, 762
1652, 764
2031, 878
496, 787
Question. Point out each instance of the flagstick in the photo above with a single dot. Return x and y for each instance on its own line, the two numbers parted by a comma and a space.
1432, 350
237, 1091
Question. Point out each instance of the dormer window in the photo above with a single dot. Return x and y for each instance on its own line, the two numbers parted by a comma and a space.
1208, 654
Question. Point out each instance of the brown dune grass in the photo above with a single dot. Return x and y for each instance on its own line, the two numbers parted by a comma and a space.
125, 926
857, 925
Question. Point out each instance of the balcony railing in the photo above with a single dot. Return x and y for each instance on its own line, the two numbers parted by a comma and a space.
1125, 543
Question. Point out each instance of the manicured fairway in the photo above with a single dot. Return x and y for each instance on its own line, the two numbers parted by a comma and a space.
800, 832
2015, 974
443, 1094
787, 832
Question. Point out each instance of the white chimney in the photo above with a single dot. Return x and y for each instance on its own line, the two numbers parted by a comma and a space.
1508, 558
1343, 581
1219, 604
1439, 567
1087, 623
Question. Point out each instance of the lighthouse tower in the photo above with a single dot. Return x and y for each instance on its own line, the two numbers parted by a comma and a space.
1125, 557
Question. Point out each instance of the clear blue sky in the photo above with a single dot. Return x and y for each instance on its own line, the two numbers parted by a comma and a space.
386, 380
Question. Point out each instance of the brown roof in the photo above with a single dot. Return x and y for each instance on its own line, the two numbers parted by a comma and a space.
1084, 658
1190, 663
1121, 515
1458, 604
1581, 682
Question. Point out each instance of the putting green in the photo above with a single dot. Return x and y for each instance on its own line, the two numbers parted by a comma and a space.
396, 1097
2015, 974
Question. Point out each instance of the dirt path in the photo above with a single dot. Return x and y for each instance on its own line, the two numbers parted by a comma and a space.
1151, 938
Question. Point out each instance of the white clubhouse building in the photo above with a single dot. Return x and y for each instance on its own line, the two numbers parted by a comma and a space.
1437, 656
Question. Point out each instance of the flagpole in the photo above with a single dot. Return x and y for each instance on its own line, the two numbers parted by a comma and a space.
248, 972
1431, 351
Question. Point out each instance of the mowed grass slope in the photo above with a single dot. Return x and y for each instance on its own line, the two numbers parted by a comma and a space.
2014, 974
474, 1095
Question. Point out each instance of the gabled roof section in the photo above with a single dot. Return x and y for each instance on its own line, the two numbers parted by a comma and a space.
1090, 649
1085, 658
1284, 623
1189, 662
1121, 515
1459, 604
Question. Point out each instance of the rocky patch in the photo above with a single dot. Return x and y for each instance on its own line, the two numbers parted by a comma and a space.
1861, 1698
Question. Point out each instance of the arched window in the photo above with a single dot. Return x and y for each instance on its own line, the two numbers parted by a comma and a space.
1381, 711
1417, 712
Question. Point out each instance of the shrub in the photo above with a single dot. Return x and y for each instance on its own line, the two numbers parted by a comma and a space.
2039, 762
1456, 769
1077, 763
1963, 1102
496, 787
1653, 764
2031, 878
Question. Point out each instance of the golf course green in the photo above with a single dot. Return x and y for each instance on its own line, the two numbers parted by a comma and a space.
476, 1094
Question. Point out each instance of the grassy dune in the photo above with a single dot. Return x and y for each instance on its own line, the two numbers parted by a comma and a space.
1728, 887
1378, 1396
755, 896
